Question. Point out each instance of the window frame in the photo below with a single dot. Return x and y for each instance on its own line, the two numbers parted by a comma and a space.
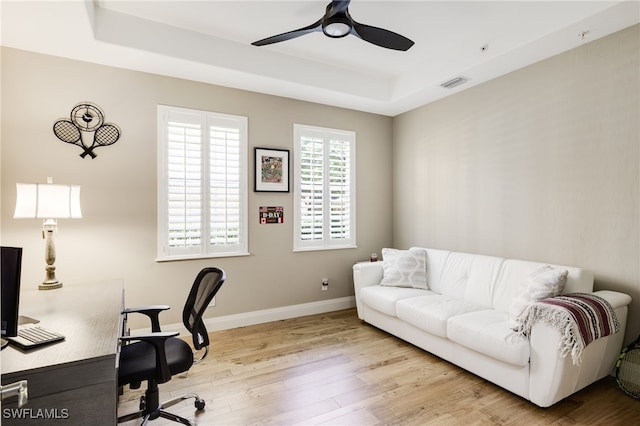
326, 243
207, 120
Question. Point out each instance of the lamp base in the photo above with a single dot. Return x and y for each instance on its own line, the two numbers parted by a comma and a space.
49, 286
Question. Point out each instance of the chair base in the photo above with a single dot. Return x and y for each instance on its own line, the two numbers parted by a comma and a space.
148, 415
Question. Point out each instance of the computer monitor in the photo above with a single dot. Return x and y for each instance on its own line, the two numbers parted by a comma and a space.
11, 268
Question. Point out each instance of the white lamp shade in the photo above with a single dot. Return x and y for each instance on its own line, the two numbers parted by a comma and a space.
47, 201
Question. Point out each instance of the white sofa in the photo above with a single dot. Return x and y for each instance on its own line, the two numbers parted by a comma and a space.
463, 318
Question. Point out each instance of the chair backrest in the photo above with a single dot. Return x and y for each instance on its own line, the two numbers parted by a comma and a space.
204, 288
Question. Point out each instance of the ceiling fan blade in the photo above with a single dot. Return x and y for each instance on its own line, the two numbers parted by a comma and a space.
381, 37
316, 26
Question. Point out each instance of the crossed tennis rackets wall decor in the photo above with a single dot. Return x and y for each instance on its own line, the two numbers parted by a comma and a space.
86, 129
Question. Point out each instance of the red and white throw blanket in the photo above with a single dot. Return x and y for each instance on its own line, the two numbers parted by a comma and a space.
580, 317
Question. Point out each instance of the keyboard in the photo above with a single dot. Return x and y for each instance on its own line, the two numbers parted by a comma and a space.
33, 336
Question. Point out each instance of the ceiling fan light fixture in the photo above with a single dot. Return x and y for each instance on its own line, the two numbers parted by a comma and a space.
337, 26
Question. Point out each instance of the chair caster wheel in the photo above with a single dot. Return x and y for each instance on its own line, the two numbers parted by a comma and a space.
199, 404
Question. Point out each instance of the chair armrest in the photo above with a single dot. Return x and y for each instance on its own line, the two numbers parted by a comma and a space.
158, 341
152, 311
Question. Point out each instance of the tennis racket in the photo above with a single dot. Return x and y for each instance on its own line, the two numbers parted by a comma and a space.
105, 135
628, 369
68, 132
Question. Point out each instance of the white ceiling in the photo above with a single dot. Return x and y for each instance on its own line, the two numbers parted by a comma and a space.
209, 41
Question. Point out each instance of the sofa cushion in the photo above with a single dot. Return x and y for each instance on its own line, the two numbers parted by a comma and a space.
430, 313
543, 283
482, 279
455, 275
490, 333
469, 276
404, 268
436, 259
384, 299
515, 271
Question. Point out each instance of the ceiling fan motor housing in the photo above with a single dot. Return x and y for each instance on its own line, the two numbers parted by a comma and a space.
338, 25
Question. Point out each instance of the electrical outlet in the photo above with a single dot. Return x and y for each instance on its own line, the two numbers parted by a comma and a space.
325, 284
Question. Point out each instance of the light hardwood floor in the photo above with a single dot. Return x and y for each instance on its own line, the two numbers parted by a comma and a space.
333, 369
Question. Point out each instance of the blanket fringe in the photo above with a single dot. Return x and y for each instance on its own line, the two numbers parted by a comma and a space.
570, 341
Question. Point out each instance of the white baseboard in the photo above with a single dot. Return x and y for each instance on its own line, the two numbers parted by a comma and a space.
266, 315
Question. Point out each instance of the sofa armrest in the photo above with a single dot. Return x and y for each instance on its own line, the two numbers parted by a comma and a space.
365, 274
552, 377
616, 299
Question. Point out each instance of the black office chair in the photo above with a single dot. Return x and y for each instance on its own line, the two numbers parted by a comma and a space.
157, 356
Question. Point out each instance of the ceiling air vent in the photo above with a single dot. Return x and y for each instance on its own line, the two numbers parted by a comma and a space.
455, 82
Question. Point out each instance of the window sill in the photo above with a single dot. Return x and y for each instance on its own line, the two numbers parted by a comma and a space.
199, 256
302, 249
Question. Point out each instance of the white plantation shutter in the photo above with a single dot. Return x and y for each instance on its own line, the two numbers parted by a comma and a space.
324, 192
340, 189
202, 195
225, 189
311, 188
184, 163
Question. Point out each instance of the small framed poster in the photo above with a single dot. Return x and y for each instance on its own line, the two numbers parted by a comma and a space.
272, 170
271, 214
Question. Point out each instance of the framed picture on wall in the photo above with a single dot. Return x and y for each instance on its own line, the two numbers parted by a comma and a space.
272, 170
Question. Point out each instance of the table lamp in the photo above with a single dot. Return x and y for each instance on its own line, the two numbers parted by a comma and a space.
48, 202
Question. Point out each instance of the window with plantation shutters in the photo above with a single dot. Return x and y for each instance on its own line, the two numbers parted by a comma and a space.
324, 190
202, 184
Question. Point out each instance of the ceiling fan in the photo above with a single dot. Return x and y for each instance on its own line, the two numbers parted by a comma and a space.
337, 22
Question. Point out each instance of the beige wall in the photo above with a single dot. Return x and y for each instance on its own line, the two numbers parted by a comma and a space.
541, 164
117, 236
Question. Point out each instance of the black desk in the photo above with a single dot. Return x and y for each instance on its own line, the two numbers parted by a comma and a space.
73, 382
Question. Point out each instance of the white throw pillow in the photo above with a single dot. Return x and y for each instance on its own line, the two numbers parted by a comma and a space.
405, 268
543, 283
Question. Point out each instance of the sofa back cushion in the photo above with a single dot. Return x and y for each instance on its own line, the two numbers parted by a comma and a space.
482, 279
435, 265
470, 277
513, 277
455, 275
